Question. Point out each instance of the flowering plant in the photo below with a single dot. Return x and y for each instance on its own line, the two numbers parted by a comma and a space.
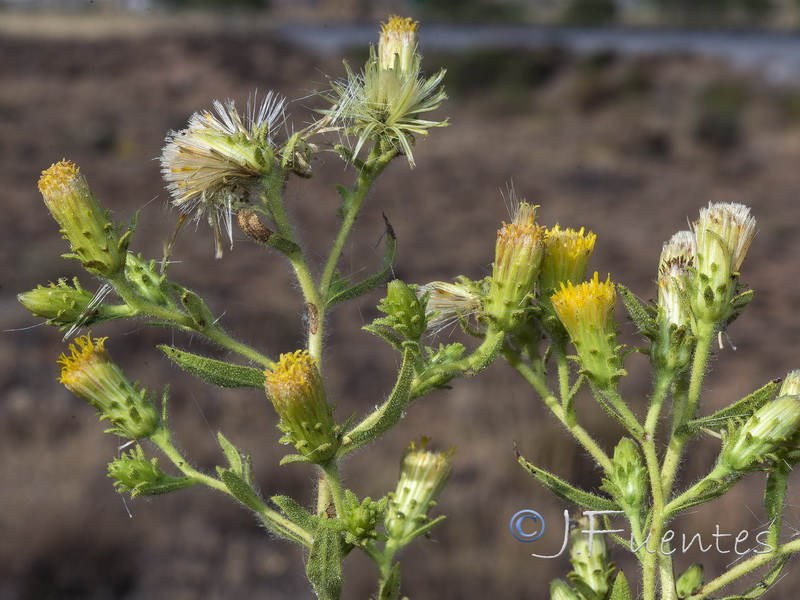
230, 169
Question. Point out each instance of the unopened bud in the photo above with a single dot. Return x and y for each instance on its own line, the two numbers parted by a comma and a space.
93, 237
690, 581
518, 257
423, 475
768, 430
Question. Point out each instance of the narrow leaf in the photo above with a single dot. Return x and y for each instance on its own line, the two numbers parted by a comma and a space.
213, 371
324, 568
742, 409
296, 513
372, 282
240, 489
566, 491
638, 312
232, 454
620, 591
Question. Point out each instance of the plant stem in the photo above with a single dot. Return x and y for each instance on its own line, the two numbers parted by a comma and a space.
541, 388
745, 567
373, 167
172, 314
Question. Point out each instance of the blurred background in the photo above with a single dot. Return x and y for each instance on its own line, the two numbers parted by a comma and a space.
622, 116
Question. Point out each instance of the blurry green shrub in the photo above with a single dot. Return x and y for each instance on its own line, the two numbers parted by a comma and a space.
507, 74
591, 12
470, 10
718, 121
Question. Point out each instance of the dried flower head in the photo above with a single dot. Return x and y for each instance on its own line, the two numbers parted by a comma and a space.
423, 475
723, 232
385, 101
217, 160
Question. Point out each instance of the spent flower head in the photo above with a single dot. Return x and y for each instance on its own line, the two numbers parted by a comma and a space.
723, 232
449, 303
217, 161
423, 475
671, 346
385, 101
295, 388
518, 256
93, 237
90, 373
587, 313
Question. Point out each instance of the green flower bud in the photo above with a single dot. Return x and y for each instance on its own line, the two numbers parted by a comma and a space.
518, 257
64, 305
560, 590
690, 580
768, 430
406, 313
627, 483
590, 558
146, 280
423, 475
93, 237
93, 376
723, 232
294, 385
133, 473
587, 312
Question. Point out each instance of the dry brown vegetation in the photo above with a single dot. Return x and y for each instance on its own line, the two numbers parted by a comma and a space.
629, 148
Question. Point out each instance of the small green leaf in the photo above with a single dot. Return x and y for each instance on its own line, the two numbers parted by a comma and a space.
566, 491
390, 588
638, 312
766, 583
196, 308
213, 371
620, 591
296, 513
742, 409
241, 489
373, 281
324, 568
232, 454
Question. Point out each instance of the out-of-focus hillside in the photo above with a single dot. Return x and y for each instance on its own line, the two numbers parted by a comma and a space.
627, 147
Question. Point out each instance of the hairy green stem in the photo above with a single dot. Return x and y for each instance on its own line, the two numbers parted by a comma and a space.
541, 388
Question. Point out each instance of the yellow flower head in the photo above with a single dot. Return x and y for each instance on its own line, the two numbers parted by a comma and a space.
587, 312
295, 388
90, 373
566, 256
397, 46
94, 239
518, 257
